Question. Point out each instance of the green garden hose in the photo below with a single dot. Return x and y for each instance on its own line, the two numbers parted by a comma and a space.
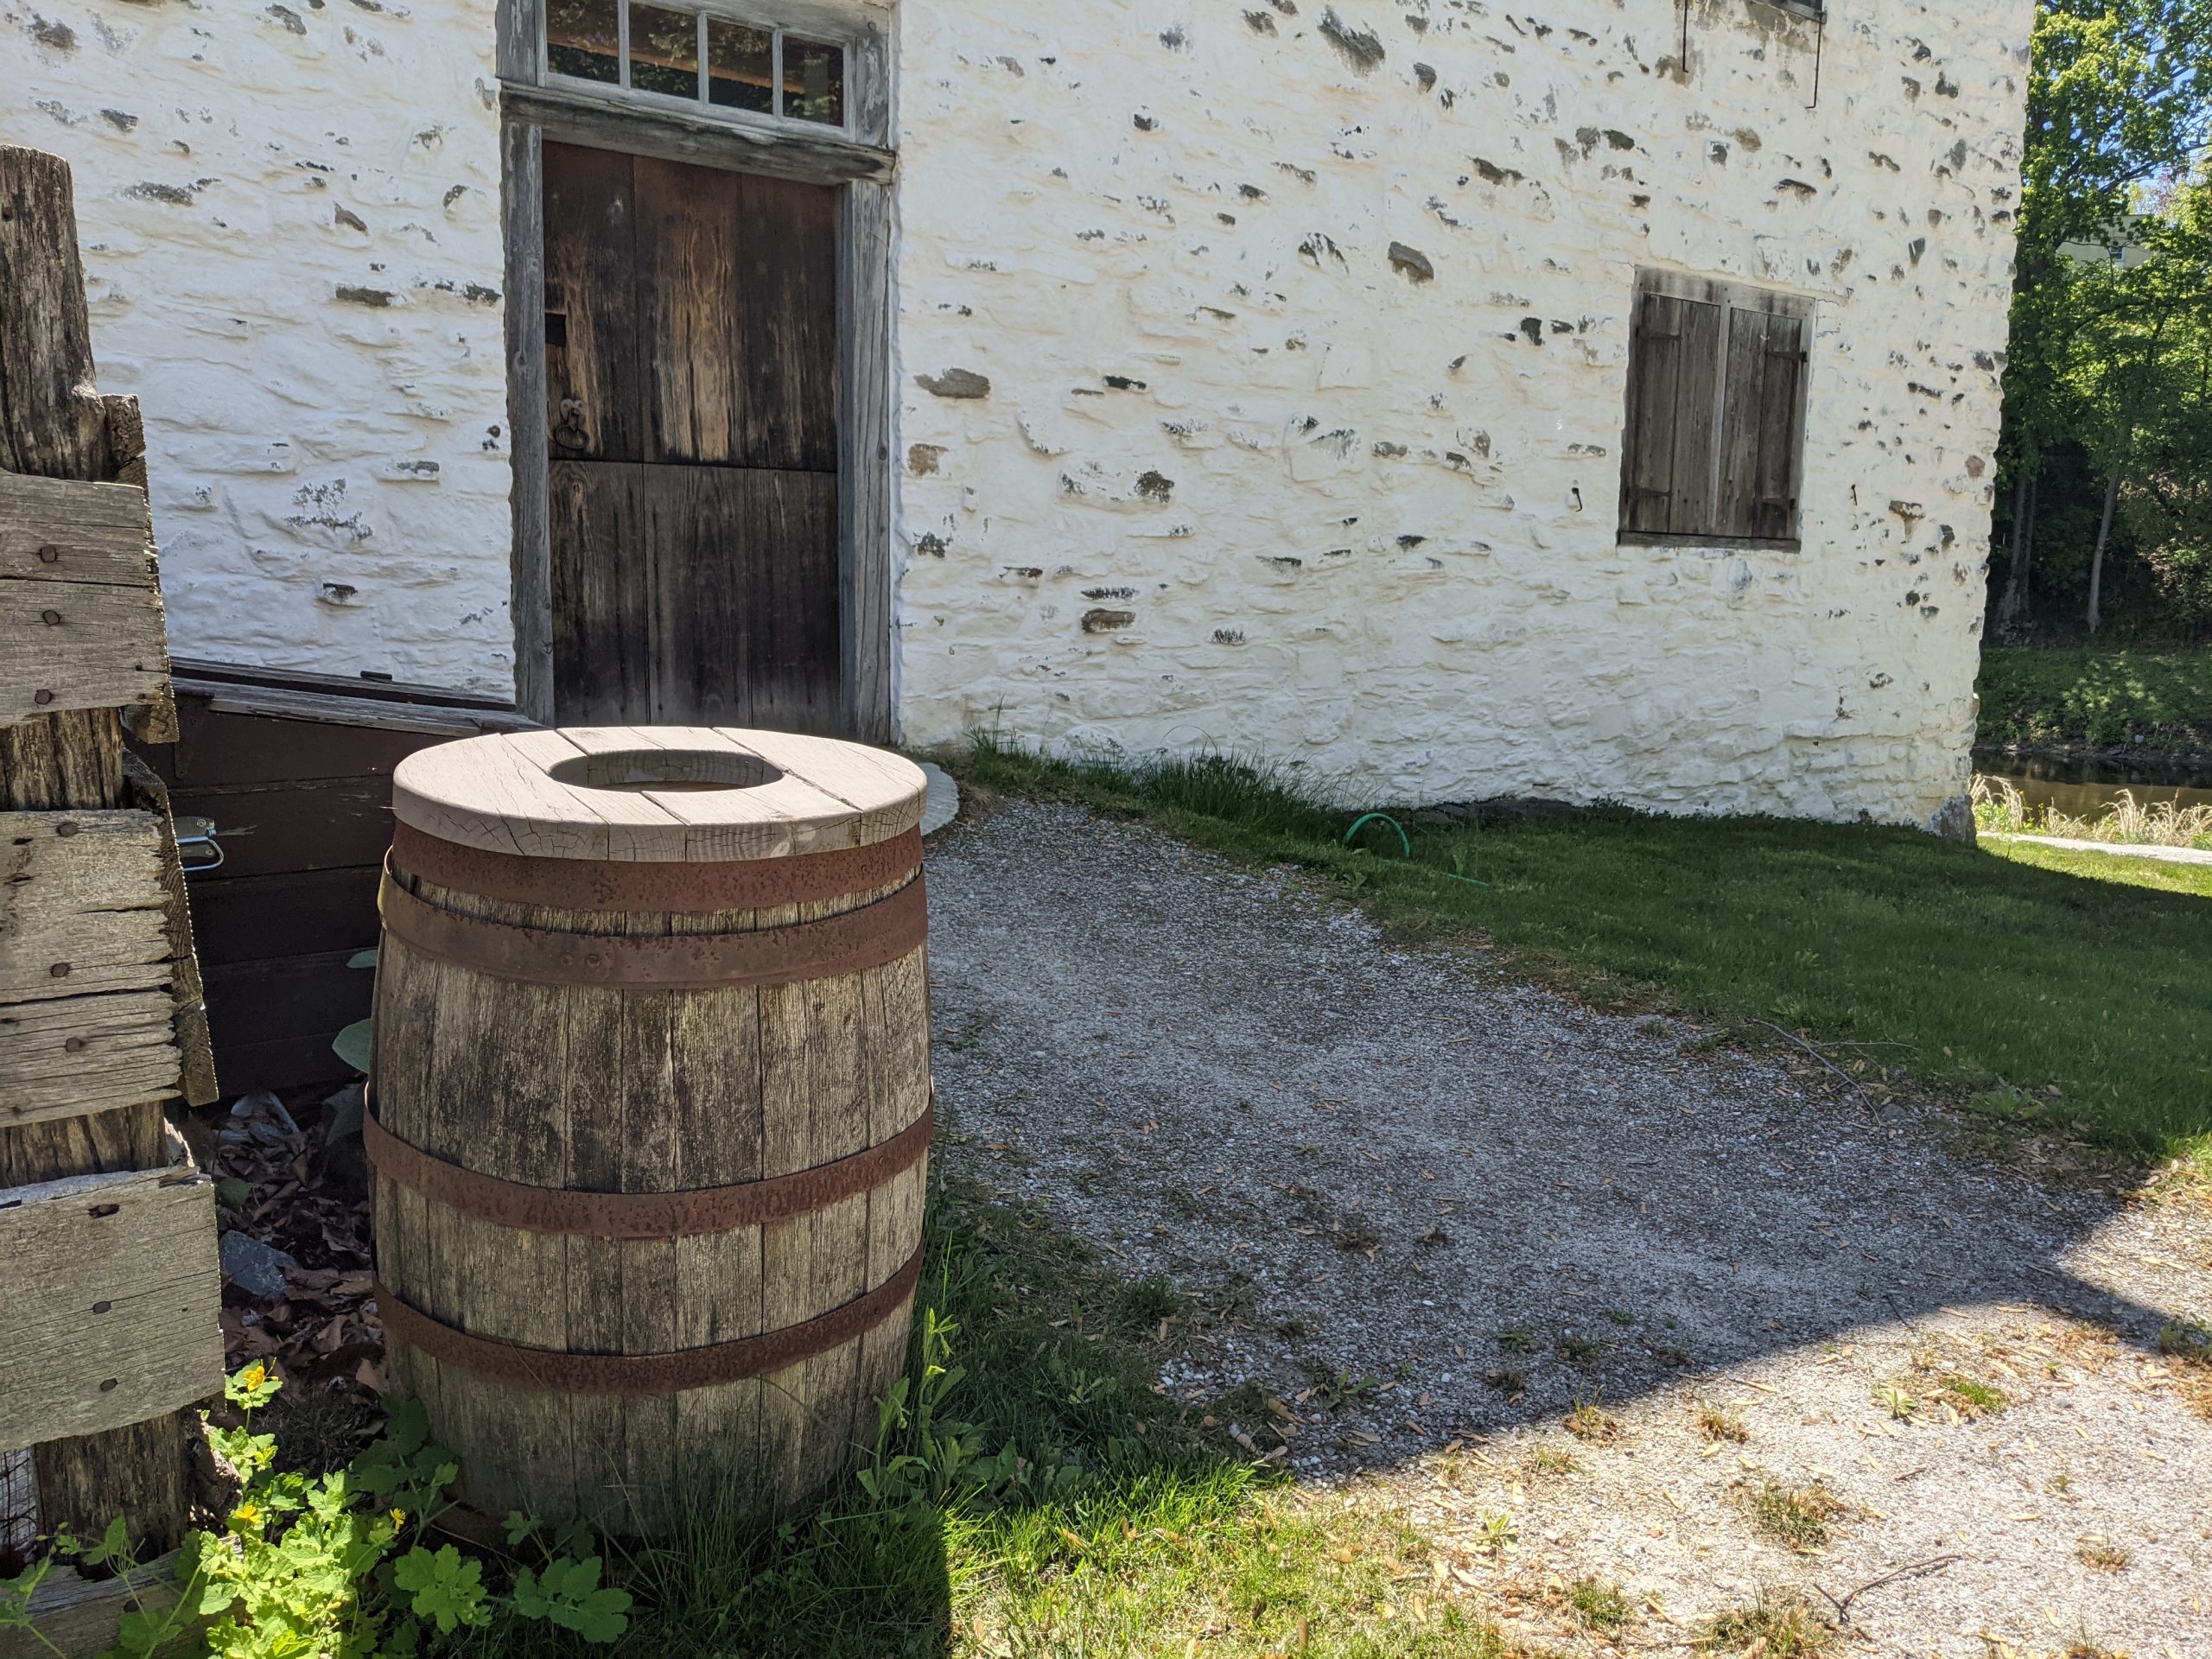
1406, 842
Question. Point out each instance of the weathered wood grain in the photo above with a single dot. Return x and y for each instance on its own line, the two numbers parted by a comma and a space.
580, 117
121, 1324
71, 1613
864, 465
83, 908
187, 994
60, 531
497, 793
523, 210
602, 1090
67, 1056
79, 646
54, 423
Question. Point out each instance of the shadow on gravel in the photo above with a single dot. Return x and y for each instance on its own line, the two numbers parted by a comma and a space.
1364, 1165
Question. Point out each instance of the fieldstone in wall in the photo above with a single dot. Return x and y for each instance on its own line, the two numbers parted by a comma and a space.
292, 241
1360, 286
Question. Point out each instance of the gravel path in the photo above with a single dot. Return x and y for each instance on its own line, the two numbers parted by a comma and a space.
1418, 1211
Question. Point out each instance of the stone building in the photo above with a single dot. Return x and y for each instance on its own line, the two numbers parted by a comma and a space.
1583, 399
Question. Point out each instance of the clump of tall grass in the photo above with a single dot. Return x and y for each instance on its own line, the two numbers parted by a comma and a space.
2001, 809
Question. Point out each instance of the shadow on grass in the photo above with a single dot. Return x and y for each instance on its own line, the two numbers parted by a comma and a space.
1060, 1503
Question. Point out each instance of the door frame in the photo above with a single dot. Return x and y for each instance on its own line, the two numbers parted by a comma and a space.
861, 169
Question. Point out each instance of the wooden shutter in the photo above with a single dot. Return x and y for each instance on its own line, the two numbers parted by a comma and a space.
1759, 438
1666, 467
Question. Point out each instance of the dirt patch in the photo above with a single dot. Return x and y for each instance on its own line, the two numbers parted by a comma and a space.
1605, 1310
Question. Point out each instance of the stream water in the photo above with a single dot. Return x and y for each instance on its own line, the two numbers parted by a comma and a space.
2082, 789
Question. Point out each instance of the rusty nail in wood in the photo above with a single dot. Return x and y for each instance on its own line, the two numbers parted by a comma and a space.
108, 1387
74, 1046
41, 698
102, 1308
49, 554
59, 970
51, 619
67, 827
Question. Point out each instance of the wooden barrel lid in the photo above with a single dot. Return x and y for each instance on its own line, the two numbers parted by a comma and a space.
657, 793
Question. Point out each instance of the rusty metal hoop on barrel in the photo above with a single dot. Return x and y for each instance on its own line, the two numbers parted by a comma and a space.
651, 1112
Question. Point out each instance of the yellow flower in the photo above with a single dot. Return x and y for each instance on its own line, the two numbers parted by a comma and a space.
246, 1515
399, 1518
256, 1375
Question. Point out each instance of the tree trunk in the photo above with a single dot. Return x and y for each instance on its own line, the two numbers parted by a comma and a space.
2097, 559
54, 423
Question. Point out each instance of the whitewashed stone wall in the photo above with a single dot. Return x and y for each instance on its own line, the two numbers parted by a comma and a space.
292, 219
1238, 479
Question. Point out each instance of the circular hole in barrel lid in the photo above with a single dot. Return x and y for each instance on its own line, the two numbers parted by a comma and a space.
663, 770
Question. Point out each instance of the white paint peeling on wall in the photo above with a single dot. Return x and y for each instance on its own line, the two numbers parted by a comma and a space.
292, 229
1240, 478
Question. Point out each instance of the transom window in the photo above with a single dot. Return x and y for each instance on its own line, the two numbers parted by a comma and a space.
720, 62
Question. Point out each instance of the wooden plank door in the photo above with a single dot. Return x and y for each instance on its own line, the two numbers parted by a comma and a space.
691, 374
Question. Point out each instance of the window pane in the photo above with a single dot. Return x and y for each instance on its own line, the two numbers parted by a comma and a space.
581, 39
664, 51
740, 67
814, 81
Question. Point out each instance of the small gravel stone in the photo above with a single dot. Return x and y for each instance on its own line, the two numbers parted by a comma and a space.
1419, 1202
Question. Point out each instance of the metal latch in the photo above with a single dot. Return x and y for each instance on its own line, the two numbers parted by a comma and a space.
196, 846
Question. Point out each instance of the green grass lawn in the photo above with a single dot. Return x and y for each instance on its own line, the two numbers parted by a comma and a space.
2108, 698
2079, 983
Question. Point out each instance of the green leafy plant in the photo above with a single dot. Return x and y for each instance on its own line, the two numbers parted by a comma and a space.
356, 1044
332, 1565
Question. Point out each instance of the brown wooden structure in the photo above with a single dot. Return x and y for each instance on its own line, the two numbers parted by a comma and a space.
295, 772
651, 1111
702, 409
108, 1278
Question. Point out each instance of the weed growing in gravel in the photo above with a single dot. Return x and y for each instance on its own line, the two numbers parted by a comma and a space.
1517, 1341
1579, 1351
1803, 1517
1547, 1460
1148, 1300
1899, 1404
1496, 1534
1511, 1384
1972, 1399
1620, 1316
1597, 1604
1776, 1627
1337, 1390
1717, 1425
2186, 1340
1590, 1424
2103, 1556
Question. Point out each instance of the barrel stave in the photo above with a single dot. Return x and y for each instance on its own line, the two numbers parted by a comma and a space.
598, 1089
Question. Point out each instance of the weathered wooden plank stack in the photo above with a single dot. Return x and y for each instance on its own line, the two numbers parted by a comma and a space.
651, 1112
109, 1284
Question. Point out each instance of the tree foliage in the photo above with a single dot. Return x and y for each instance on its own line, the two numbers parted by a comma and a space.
2105, 387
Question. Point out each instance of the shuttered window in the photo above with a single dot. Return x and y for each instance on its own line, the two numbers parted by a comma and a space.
1714, 444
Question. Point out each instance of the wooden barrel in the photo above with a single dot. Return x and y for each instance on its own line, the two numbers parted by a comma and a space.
650, 1112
